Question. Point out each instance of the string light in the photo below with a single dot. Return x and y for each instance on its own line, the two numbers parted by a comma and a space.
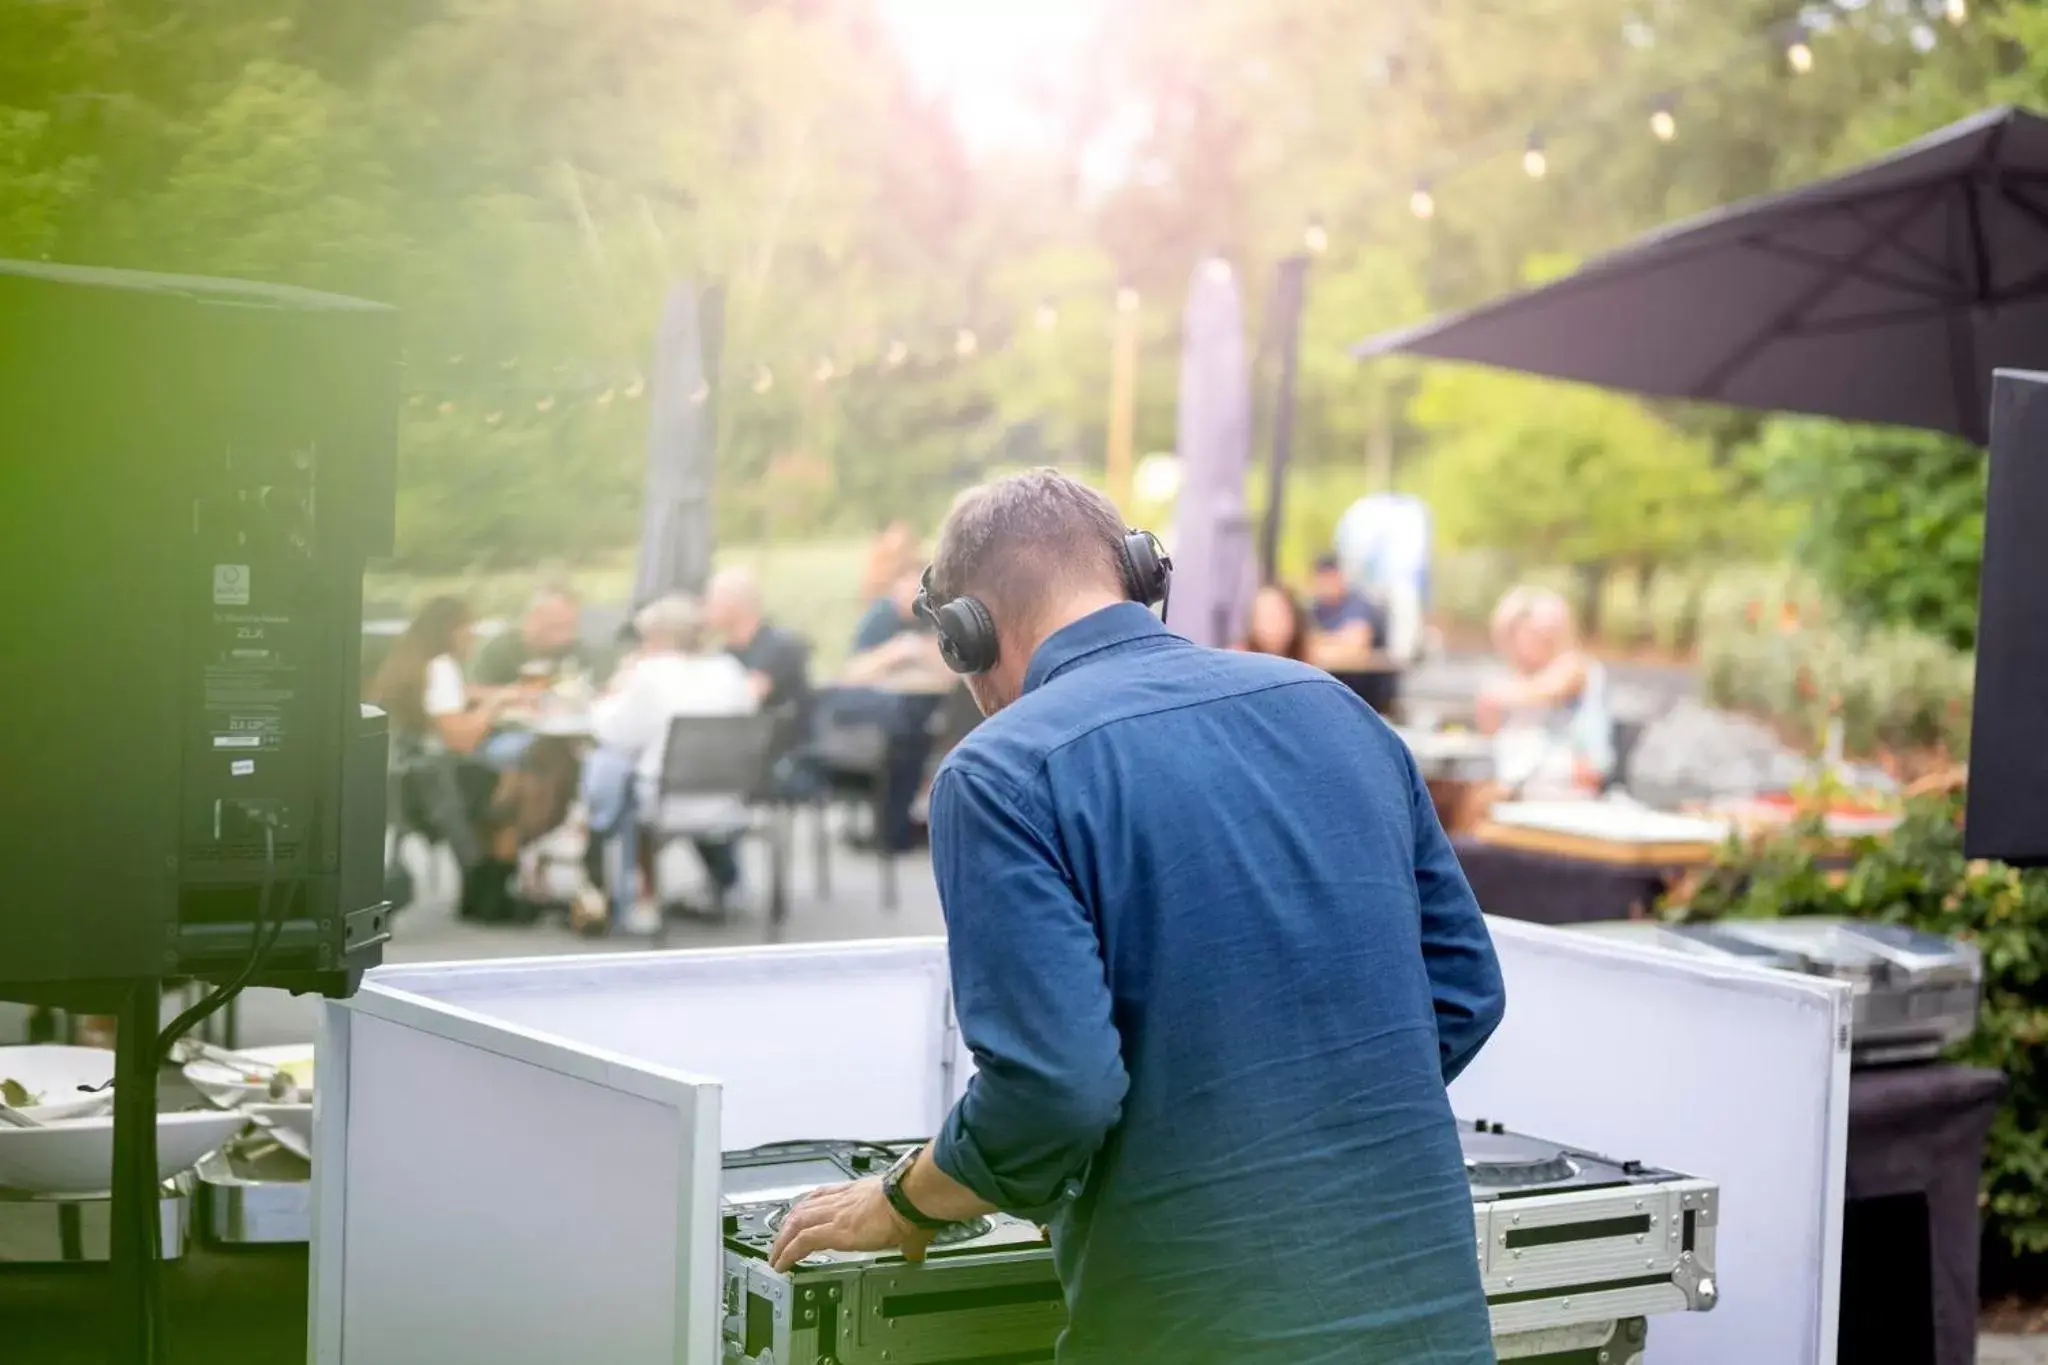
1217, 269
764, 379
492, 419
1316, 238
1957, 11
700, 395
964, 342
510, 362
1534, 162
637, 387
545, 404
1421, 202
445, 408
1663, 122
1126, 300
604, 400
1048, 316
1798, 55
823, 374
898, 353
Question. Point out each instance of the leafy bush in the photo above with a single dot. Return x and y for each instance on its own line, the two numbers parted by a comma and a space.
1894, 690
1895, 519
1918, 876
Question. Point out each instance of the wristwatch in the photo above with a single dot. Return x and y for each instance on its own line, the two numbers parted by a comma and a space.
892, 1190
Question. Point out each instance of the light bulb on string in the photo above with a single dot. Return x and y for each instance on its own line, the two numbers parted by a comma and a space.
700, 395
898, 353
445, 408
965, 343
492, 419
545, 404
823, 374
1217, 269
604, 400
764, 379
1126, 300
1534, 163
1798, 55
1421, 202
636, 387
1956, 11
1316, 237
1663, 122
1048, 315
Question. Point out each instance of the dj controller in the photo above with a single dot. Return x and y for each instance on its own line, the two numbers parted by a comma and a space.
1576, 1252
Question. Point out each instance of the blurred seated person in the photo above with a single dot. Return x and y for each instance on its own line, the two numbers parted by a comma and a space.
893, 551
1350, 629
1553, 732
547, 644
897, 680
778, 663
1277, 625
437, 715
675, 672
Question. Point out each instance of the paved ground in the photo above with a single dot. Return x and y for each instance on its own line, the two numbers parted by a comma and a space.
2012, 1350
428, 931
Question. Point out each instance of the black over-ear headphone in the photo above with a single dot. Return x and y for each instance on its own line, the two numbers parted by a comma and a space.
967, 633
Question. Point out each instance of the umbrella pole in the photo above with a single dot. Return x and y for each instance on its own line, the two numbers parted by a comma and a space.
1289, 286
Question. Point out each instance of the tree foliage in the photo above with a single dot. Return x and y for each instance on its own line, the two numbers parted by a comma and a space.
1893, 522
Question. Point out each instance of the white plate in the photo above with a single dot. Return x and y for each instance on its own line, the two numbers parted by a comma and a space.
54, 1074
230, 1089
1620, 822
76, 1156
290, 1124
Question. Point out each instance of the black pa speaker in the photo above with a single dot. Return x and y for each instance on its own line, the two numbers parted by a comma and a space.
192, 474
2007, 812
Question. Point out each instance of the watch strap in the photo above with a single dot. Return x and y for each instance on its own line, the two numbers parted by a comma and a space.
892, 1190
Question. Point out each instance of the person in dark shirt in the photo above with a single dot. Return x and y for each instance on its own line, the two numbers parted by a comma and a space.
548, 638
778, 660
1216, 964
1350, 625
889, 616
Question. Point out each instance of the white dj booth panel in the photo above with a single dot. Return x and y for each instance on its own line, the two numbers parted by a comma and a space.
531, 1148
518, 1161
1735, 1074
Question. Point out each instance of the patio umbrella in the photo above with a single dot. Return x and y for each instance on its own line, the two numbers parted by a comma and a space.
1887, 294
1213, 573
682, 442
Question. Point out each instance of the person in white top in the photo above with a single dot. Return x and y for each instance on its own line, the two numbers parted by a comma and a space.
673, 673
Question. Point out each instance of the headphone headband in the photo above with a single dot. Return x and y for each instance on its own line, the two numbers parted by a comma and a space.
967, 632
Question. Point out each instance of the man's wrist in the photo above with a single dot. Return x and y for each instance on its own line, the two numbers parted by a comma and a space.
899, 1199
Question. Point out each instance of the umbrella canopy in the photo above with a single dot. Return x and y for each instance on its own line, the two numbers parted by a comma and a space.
1887, 294
1213, 570
682, 440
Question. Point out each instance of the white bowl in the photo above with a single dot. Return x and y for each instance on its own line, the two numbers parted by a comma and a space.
76, 1156
231, 1089
290, 1124
54, 1074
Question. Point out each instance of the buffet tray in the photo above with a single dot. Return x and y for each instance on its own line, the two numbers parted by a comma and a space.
40, 1229
254, 1192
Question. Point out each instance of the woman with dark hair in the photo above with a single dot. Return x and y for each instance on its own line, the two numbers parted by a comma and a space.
440, 727
1277, 624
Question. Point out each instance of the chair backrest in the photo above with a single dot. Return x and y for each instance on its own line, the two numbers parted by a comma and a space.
955, 720
718, 755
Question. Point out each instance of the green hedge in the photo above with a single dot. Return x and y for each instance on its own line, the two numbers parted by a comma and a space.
1918, 876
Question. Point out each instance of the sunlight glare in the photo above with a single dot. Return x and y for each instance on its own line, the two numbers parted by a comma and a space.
983, 56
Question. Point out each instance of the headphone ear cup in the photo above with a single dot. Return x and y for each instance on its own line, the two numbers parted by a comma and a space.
967, 635
1146, 570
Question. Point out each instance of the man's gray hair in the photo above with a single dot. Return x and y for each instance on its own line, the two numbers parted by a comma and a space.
676, 619
1015, 542
735, 586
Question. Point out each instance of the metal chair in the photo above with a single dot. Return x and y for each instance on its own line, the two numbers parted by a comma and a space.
854, 758
728, 757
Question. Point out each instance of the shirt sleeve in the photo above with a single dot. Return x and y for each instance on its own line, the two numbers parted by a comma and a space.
1033, 1001
878, 625
446, 695
1464, 974
619, 720
497, 663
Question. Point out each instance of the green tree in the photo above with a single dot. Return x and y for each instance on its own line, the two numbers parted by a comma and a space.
1892, 519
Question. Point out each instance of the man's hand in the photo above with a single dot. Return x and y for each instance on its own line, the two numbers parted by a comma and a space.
854, 1217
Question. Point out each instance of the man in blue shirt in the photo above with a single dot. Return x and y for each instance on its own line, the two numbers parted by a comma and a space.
1349, 623
1216, 963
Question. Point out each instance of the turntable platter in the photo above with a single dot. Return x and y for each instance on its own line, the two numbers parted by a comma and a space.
1511, 1161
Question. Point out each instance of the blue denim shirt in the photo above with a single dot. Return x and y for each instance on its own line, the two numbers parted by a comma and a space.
1216, 963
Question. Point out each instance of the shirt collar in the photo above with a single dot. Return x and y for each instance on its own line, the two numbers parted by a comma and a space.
1093, 633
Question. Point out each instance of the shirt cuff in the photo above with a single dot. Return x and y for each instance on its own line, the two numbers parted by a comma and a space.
955, 1152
